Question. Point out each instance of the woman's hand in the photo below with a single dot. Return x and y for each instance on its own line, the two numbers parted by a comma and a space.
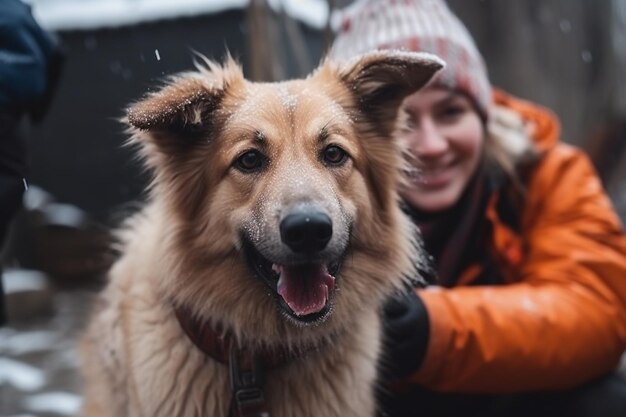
405, 335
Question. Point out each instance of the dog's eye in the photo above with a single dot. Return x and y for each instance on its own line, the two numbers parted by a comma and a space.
250, 161
334, 155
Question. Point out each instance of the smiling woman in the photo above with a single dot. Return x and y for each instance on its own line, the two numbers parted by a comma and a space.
445, 138
528, 254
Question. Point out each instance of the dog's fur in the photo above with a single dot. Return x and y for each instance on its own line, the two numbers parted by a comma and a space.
185, 247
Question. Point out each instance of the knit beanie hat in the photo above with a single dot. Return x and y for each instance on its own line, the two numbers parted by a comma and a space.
416, 25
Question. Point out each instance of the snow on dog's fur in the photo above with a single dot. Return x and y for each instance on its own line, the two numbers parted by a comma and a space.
272, 215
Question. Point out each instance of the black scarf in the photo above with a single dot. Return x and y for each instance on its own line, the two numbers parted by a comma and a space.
458, 237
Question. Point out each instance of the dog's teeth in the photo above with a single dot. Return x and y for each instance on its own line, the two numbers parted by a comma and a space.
276, 270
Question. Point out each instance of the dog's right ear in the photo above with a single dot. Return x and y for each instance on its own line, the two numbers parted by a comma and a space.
185, 106
182, 107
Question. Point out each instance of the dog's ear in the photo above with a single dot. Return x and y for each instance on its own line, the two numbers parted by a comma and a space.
182, 107
185, 105
380, 80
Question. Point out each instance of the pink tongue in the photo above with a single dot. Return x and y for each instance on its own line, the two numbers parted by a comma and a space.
304, 288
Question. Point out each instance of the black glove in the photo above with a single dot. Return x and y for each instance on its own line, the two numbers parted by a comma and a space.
405, 335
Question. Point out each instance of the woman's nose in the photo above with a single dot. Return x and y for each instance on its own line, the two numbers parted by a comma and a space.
429, 141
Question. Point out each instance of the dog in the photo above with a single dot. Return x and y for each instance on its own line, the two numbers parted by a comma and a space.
250, 282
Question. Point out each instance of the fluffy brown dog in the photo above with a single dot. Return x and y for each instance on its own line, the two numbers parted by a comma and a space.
251, 280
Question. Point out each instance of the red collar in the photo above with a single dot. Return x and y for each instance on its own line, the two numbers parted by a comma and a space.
247, 368
219, 344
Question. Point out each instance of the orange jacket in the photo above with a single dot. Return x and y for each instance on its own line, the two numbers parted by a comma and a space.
560, 320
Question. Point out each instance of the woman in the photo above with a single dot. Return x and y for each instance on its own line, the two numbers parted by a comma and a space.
528, 314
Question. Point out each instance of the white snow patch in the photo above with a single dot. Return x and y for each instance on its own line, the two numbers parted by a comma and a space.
23, 280
54, 402
21, 375
529, 305
29, 342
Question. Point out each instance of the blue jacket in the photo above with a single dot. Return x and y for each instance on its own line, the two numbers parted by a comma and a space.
29, 60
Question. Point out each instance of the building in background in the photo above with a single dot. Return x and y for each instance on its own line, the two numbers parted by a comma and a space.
569, 55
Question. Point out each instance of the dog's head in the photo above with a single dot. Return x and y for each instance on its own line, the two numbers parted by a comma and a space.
282, 189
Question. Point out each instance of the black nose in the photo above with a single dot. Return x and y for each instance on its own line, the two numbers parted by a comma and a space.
306, 232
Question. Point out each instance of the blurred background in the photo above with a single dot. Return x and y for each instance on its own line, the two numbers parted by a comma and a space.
569, 55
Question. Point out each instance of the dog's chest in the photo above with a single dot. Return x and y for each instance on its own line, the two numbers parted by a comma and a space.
183, 382
168, 375
171, 377
322, 389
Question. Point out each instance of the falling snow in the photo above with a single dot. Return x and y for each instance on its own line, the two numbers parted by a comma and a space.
289, 100
565, 25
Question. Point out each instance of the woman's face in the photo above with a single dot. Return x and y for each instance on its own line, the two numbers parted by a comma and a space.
445, 136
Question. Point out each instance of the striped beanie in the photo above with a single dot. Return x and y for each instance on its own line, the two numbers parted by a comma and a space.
416, 25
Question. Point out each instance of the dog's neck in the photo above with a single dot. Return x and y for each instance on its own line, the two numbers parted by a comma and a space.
220, 345
246, 366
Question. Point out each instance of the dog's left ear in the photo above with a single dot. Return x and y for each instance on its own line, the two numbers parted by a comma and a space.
382, 79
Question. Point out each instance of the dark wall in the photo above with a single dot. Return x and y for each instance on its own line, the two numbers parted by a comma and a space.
560, 53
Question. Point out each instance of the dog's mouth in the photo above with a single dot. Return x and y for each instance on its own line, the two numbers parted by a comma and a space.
304, 291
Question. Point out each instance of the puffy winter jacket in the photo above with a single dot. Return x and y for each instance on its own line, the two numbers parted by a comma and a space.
30, 61
559, 319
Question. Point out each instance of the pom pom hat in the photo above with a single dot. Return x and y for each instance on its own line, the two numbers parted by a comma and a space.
416, 25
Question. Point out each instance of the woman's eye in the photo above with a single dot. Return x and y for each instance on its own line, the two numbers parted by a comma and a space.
334, 155
452, 111
250, 161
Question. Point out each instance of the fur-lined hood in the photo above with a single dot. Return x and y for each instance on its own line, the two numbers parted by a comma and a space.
523, 125
518, 133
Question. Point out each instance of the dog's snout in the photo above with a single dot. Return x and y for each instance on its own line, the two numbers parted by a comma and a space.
306, 232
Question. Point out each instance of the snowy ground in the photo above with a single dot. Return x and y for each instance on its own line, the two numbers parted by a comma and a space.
39, 361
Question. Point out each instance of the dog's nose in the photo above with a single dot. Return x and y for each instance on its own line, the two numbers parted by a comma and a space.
306, 232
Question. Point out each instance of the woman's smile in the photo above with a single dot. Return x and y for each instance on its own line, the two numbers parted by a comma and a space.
434, 176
